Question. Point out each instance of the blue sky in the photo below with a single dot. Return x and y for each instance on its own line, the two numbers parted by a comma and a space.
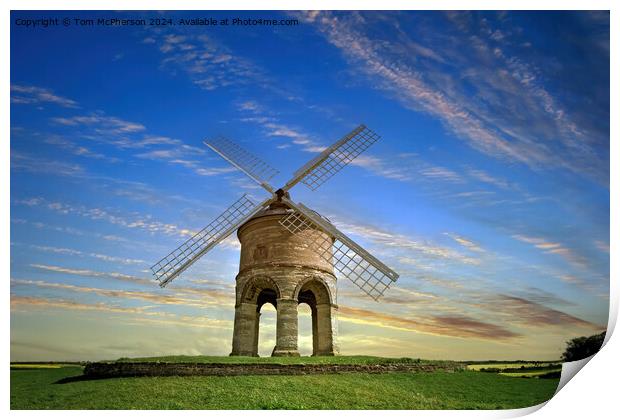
488, 192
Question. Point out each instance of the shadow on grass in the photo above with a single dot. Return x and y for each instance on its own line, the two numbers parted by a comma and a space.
78, 378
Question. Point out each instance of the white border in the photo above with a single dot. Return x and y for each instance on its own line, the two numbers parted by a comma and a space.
592, 395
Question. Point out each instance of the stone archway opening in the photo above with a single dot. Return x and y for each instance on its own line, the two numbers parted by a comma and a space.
258, 297
266, 329
305, 329
266, 311
315, 294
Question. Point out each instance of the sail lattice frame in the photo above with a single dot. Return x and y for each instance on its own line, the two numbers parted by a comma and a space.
348, 258
178, 260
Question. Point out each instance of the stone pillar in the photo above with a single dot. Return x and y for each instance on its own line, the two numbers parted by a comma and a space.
325, 333
334, 321
315, 332
256, 327
286, 328
244, 334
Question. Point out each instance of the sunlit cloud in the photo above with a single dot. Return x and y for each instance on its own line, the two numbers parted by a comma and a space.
532, 314
467, 243
20, 303
448, 325
75, 252
91, 273
557, 248
184, 297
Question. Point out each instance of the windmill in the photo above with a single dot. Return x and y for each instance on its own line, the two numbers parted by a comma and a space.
288, 251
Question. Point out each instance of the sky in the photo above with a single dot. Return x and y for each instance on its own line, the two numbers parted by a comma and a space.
488, 191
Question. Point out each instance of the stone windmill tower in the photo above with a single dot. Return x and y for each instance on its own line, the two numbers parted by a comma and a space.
289, 253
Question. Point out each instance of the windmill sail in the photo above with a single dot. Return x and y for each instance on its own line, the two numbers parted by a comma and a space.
185, 255
350, 259
316, 172
259, 171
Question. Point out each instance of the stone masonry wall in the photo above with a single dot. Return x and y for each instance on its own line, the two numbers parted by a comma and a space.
123, 369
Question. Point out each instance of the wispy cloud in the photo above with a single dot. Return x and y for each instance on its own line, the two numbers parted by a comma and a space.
102, 123
78, 150
495, 121
272, 126
181, 156
467, 243
210, 64
100, 128
91, 273
142, 222
532, 314
537, 295
552, 247
446, 325
460, 186
485, 177
28, 163
407, 246
22, 94
72, 231
75, 252
438, 172
19, 303
383, 168
187, 297
602, 246
580, 282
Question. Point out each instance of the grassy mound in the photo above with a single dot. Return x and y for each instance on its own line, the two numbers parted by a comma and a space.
45, 389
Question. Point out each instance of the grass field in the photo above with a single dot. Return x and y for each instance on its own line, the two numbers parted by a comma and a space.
38, 388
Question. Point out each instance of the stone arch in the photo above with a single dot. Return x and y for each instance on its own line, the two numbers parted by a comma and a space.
255, 293
317, 286
254, 288
315, 292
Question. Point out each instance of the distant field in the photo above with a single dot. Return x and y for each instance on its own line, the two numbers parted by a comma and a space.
531, 374
513, 365
38, 388
34, 366
520, 369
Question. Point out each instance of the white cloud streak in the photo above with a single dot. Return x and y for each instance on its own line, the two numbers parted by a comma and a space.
22, 94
